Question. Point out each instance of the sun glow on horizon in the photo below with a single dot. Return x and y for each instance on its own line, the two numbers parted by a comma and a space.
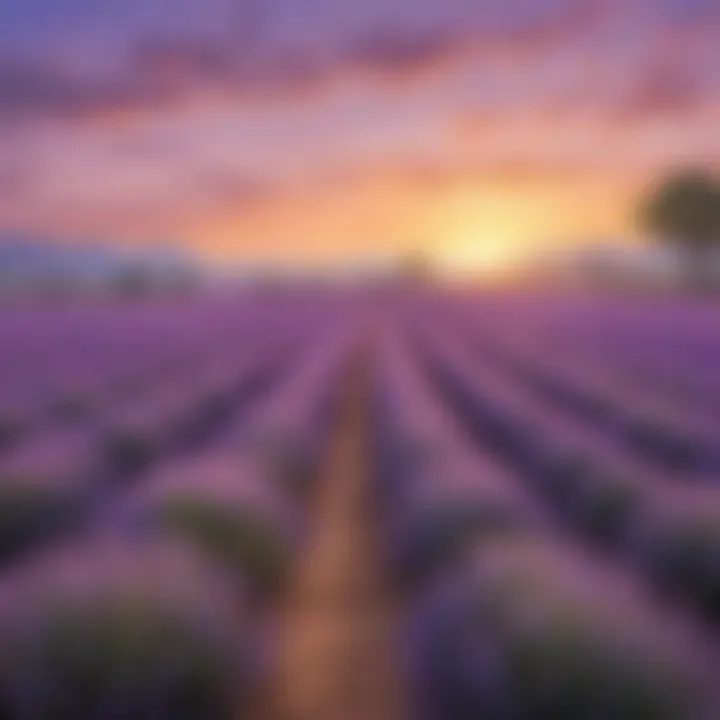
491, 258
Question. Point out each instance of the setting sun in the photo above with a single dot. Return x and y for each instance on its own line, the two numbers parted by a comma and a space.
491, 258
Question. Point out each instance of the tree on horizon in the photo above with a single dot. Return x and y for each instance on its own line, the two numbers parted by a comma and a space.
683, 212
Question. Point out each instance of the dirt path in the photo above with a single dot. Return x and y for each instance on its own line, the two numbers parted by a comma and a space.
338, 659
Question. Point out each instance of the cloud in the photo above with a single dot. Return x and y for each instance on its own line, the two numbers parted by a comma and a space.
675, 78
661, 90
230, 188
32, 91
161, 75
258, 59
163, 69
169, 60
398, 51
513, 171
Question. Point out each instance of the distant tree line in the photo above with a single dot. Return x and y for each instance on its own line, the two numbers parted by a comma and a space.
683, 212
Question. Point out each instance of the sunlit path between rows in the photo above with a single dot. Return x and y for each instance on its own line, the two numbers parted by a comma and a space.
338, 657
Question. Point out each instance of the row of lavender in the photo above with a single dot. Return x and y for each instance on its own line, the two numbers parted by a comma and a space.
630, 461
552, 558
176, 504
62, 366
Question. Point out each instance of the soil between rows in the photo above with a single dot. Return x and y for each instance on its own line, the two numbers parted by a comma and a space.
338, 659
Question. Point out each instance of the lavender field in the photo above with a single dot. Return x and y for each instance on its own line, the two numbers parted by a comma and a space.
349, 505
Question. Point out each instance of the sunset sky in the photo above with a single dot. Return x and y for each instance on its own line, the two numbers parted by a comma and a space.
307, 130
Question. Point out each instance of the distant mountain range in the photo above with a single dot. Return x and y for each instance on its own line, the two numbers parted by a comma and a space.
25, 259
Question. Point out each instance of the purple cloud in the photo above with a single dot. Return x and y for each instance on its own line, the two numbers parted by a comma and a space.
154, 53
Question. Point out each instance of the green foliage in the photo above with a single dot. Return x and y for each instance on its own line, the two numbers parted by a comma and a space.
684, 210
115, 657
685, 554
239, 541
568, 647
685, 207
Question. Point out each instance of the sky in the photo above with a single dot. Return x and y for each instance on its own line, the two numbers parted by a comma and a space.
308, 131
